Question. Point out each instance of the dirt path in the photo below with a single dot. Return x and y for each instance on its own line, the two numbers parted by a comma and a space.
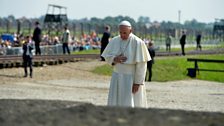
75, 82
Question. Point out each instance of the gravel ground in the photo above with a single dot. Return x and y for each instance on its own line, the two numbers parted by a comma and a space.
74, 84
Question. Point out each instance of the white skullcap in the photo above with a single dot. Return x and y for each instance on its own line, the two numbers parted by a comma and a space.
125, 23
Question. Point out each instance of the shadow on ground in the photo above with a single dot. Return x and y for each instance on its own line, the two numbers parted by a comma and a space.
64, 113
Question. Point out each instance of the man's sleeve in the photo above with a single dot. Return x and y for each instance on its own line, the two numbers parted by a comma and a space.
108, 53
140, 72
110, 60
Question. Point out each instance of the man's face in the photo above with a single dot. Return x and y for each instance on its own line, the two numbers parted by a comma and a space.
124, 32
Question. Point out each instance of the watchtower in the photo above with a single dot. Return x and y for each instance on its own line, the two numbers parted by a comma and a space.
55, 18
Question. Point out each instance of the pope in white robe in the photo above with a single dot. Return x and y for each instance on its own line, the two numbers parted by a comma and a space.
129, 55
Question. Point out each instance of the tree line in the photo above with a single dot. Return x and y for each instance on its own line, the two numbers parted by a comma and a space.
143, 26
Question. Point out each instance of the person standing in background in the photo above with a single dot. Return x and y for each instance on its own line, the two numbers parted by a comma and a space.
183, 42
151, 62
198, 41
37, 38
168, 43
104, 41
27, 56
65, 40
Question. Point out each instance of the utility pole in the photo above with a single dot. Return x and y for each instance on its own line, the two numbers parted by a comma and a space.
179, 16
179, 20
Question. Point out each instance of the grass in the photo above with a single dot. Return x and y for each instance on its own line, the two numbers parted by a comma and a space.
213, 76
103, 70
169, 69
192, 48
97, 51
175, 68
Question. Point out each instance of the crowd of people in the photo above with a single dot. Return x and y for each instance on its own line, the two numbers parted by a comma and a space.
84, 42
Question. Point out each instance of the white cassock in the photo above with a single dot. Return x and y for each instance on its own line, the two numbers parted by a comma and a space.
126, 74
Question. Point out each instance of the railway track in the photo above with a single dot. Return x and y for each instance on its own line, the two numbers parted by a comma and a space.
17, 61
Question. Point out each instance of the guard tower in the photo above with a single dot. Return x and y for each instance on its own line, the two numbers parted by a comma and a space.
218, 29
55, 18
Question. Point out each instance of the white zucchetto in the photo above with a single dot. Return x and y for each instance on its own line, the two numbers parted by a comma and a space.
125, 23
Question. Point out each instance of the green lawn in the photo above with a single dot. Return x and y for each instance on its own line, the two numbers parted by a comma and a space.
175, 68
192, 48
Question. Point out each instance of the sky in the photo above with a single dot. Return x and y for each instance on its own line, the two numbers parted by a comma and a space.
157, 10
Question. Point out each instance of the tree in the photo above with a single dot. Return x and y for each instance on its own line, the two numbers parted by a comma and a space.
143, 20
